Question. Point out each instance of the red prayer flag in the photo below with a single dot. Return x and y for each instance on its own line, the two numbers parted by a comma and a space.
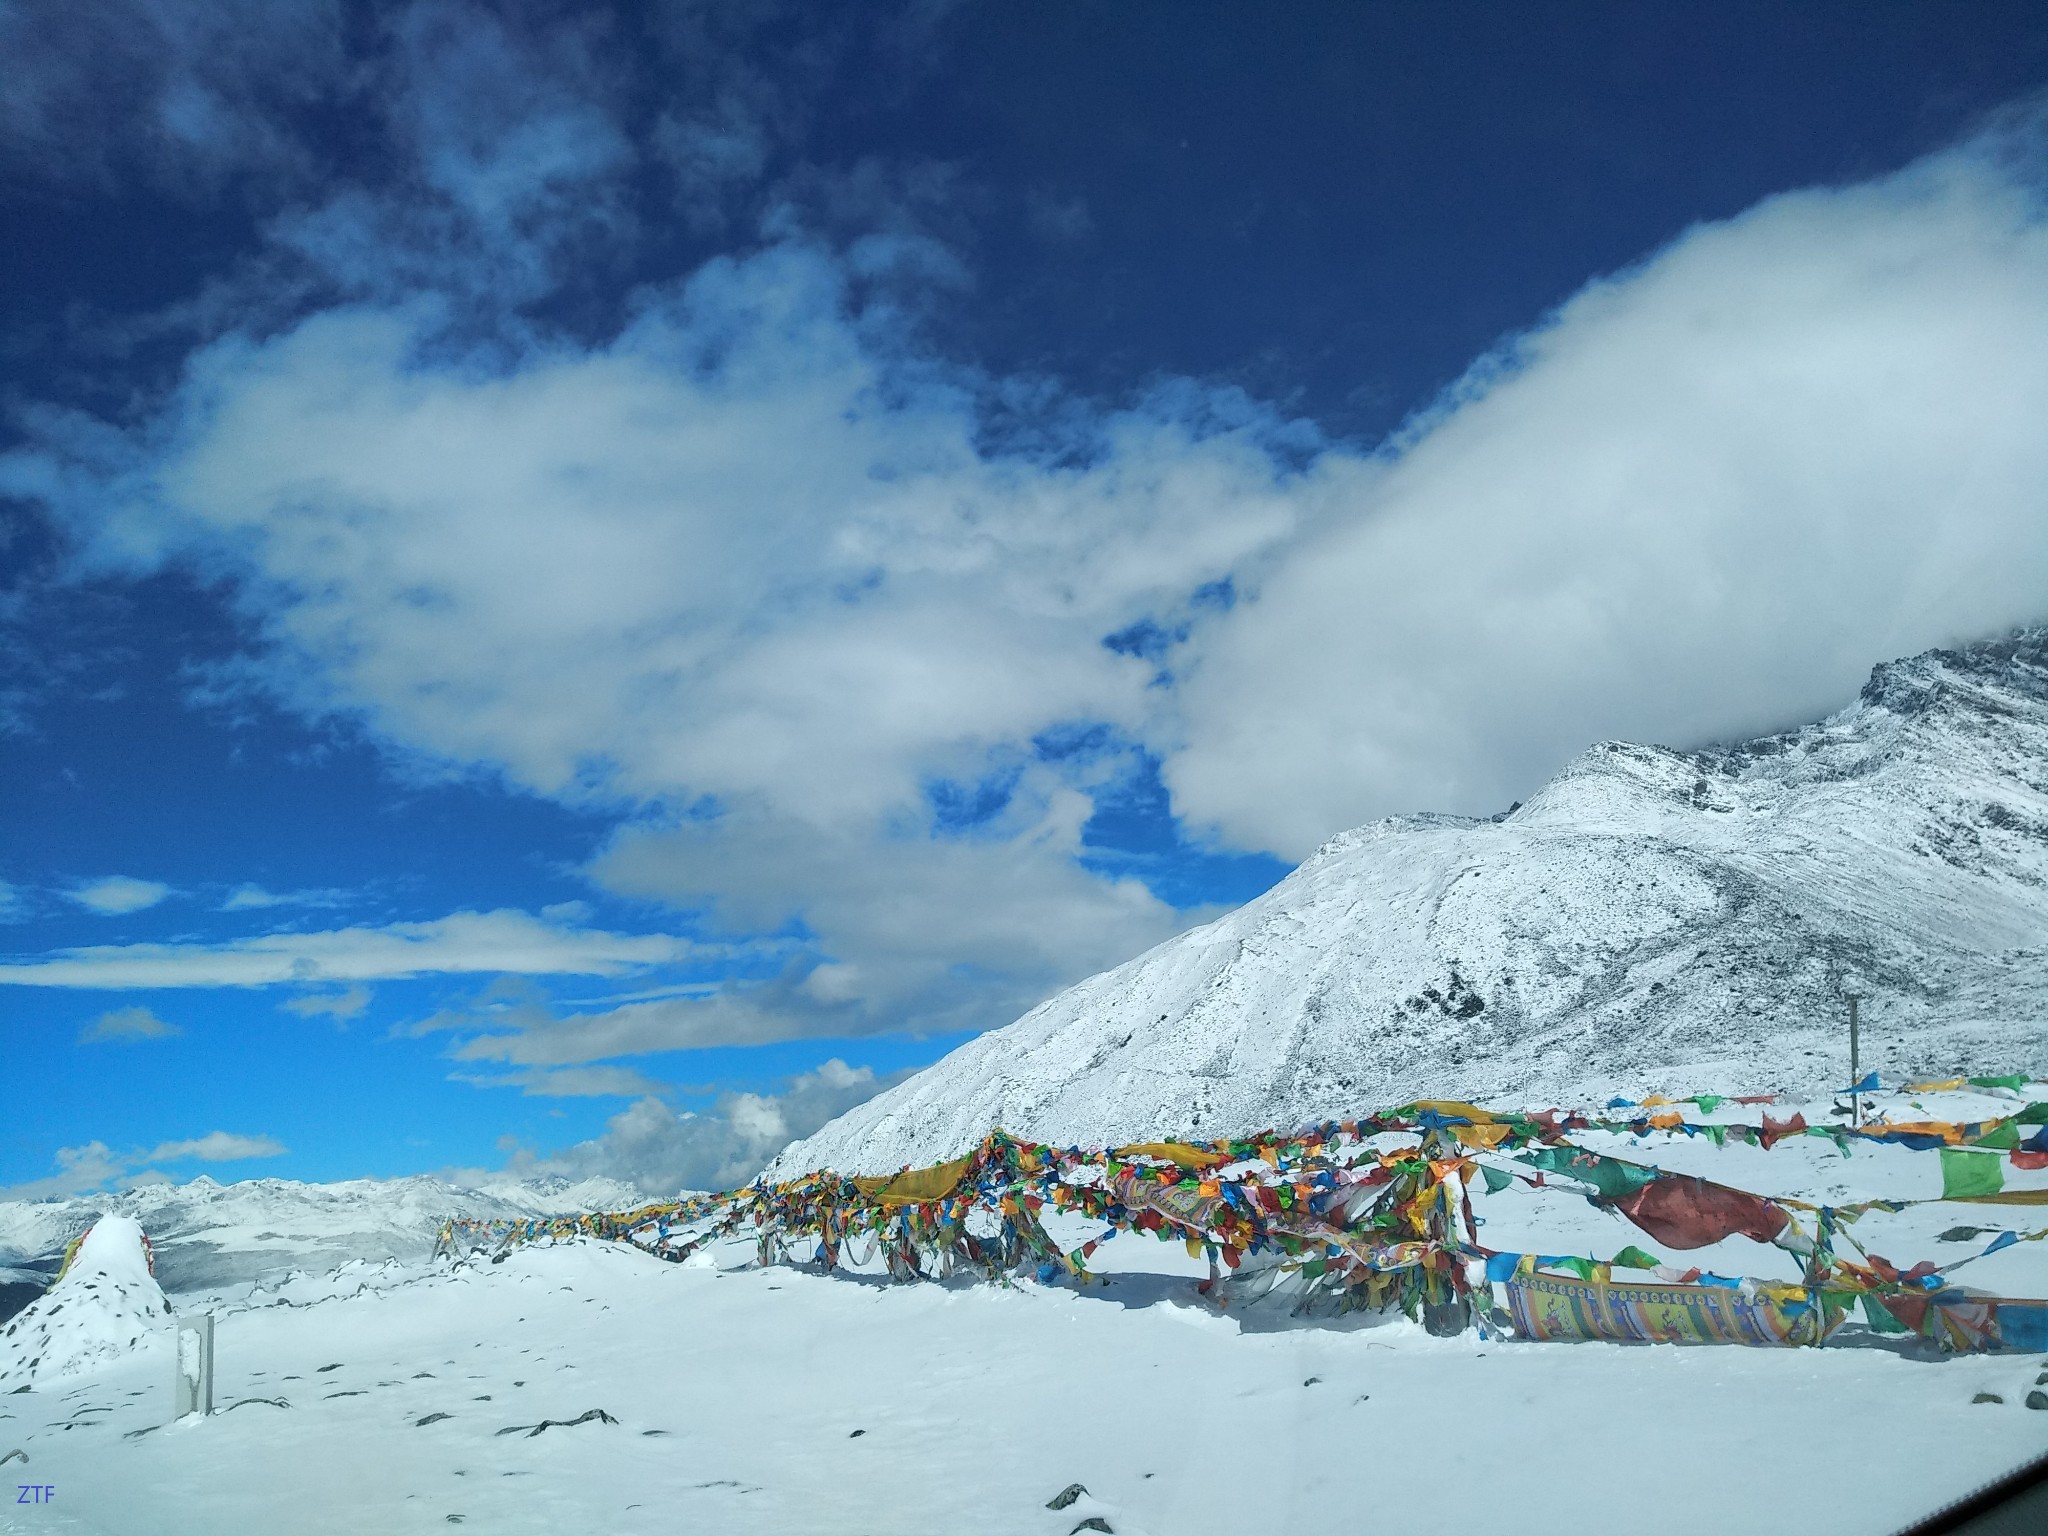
1775, 1129
1681, 1211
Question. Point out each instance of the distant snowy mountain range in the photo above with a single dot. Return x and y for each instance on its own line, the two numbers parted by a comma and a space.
1651, 919
209, 1235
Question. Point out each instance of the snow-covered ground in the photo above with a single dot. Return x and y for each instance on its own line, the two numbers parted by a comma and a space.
782, 1402
405, 1396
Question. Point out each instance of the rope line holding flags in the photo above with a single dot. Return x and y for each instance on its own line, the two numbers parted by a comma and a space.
1347, 1224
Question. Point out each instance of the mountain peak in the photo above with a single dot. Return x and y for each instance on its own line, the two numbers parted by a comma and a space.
1653, 918
1974, 674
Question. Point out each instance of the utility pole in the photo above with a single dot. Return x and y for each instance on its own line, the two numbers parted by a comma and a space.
1855, 1067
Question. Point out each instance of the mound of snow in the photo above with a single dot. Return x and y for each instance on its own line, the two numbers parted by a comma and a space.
105, 1308
1651, 920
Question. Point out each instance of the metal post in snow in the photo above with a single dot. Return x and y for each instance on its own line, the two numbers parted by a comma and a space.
1855, 1068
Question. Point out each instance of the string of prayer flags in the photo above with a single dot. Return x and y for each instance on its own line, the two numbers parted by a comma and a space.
1377, 1212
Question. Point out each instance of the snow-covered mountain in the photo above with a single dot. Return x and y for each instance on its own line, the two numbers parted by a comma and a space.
1650, 919
208, 1234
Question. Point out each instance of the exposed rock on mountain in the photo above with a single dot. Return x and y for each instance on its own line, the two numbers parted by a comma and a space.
1652, 919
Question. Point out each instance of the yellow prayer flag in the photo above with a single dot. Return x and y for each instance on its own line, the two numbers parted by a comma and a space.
1482, 1136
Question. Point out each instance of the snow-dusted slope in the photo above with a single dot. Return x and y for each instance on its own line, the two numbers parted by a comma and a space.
1650, 919
209, 1234
103, 1310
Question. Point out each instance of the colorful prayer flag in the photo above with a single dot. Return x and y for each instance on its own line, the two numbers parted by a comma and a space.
1965, 1173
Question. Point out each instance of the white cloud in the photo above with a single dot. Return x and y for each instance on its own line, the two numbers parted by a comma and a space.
188, 91
662, 1151
1698, 504
684, 563
216, 1147
254, 898
567, 1082
504, 941
96, 1165
753, 559
127, 1024
338, 1006
92, 1166
118, 895
735, 554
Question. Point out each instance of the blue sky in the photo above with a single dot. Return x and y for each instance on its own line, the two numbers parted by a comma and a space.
582, 587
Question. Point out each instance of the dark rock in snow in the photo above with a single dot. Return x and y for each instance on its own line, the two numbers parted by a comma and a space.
582, 1418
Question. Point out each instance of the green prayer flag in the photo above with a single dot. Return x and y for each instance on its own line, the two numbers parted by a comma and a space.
1496, 1179
1633, 1257
1608, 1175
1708, 1102
1583, 1268
2003, 1136
1965, 1173
1880, 1320
2010, 1080
2033, 1114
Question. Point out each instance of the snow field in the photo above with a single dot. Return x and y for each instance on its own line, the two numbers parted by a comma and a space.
781, 1401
